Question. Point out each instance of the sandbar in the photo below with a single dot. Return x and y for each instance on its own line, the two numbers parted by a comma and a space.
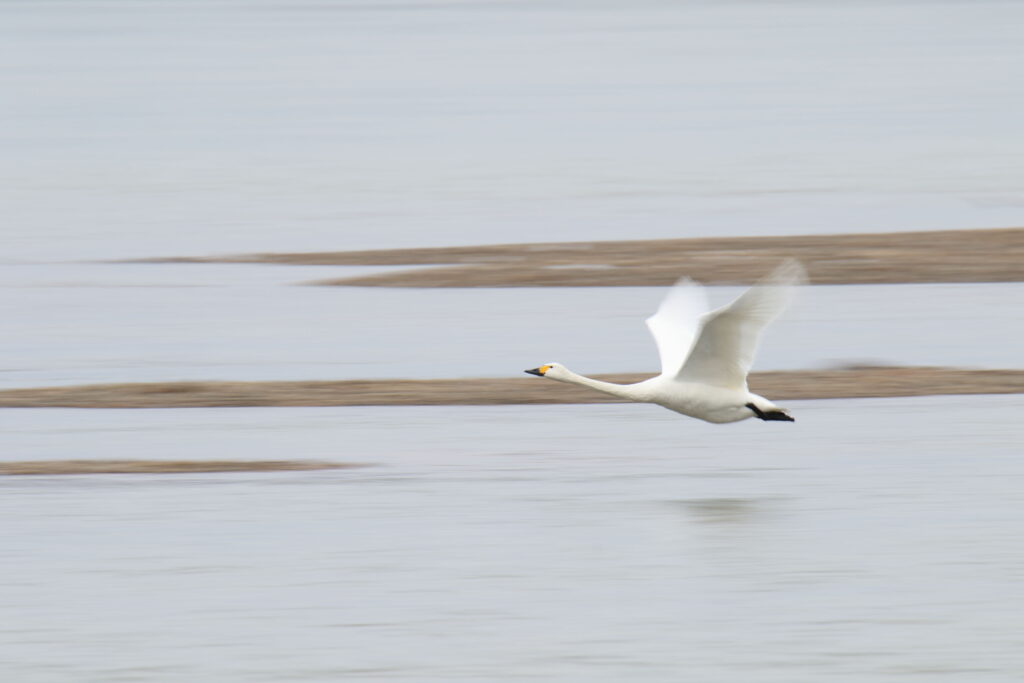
852, 382
979, 255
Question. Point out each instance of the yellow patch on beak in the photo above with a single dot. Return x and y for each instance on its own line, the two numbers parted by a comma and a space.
544, 369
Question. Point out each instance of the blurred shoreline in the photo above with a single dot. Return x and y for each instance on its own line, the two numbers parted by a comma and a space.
854, 382
50, 467
982, 255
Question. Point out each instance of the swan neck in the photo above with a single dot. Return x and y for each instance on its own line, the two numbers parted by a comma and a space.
620, 390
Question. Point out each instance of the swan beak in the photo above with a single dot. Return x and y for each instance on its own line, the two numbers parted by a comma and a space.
536, 371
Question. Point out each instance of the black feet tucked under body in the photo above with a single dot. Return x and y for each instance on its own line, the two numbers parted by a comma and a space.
770, 415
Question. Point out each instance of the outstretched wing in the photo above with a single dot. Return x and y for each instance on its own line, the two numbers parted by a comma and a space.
727, 341
675, 325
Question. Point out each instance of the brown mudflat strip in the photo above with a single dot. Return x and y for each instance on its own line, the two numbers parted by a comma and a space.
781, 385
161, 466
983, 255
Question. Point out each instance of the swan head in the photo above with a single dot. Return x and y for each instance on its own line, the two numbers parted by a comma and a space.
552, 370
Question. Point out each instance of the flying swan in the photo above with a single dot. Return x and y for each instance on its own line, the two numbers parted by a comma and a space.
705, 356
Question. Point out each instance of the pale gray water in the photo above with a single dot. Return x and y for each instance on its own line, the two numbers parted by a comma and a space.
118, 323
871, 540
139, 128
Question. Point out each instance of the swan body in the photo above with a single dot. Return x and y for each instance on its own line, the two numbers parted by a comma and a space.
705, 355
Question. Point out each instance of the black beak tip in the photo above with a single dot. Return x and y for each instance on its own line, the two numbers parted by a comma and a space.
534, 371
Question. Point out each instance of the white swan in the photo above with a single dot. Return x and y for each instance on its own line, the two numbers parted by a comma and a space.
705, 356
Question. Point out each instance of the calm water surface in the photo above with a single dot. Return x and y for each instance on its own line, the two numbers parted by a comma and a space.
181, 126
871, 540
117, 323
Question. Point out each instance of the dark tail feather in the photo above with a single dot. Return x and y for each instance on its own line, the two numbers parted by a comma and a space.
771, 415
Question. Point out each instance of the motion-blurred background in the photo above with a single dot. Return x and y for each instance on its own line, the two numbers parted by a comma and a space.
875, 539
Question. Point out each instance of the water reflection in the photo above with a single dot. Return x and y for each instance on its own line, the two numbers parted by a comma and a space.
724, 510
599, 541
876, 541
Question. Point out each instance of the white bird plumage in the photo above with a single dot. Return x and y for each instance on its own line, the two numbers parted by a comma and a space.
705, 355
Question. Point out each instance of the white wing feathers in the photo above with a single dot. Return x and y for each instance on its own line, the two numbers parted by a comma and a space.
727, 340
675, 325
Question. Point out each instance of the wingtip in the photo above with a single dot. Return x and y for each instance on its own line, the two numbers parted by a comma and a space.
789, 272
